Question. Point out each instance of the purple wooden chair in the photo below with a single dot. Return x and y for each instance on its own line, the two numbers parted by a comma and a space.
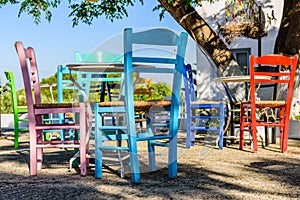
36, 110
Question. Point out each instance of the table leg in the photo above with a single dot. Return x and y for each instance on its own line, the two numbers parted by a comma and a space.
266, 133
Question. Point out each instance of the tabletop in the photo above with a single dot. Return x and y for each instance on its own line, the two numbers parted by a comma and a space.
244, 78
102, 67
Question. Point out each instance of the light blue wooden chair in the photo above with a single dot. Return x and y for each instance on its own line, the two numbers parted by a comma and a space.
102, 84
65, 84
97, 87
212, 118
163, 51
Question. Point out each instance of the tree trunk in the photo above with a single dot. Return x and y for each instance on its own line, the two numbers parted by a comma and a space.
288, 39
204, 36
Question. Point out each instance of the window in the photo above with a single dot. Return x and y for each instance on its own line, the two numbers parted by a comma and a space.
242, 57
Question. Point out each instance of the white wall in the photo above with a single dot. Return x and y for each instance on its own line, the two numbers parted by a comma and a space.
215, 11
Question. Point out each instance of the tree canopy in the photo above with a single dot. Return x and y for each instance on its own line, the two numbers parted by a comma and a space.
183, 11
86, 11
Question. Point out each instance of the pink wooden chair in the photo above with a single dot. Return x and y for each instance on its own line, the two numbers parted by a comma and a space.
36, 110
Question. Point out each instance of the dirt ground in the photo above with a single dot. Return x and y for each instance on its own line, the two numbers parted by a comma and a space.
221, 174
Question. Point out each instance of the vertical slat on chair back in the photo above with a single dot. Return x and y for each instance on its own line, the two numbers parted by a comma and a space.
62, 83
34, 75
97, 57
11, 80
189, 83
94, 82
159, 40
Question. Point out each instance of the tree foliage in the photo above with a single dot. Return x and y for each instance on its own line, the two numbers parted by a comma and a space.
86, 11
5, 99
161, 90
82, 11
183, 11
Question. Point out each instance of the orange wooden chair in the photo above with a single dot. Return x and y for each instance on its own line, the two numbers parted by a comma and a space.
284, 75
36, 110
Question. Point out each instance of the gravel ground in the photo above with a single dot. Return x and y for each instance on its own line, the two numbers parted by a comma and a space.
221, 174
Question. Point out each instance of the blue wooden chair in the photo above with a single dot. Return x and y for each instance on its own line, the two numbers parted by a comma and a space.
160, 44
212, 111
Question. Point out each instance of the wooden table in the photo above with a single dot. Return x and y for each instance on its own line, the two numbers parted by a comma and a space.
246, 79
114, 67
103, 67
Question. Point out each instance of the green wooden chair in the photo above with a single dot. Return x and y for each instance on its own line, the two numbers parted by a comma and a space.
18, 111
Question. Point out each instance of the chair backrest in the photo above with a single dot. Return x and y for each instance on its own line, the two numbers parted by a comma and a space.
189, 83
30, 76
64, 83
284, 73
93, 84
161, 48
97, 56
11, 80
104, 84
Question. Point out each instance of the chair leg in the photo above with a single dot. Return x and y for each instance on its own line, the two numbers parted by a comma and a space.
285, 142
16, 132
188, 131
83, 142
254, 137
98, 152
134, 161
98, 162
172, 157
39, 151
242, 127
33, 152
39, 154
285, 131
192, 135
221, 126
151, 155
220, 139
99, 142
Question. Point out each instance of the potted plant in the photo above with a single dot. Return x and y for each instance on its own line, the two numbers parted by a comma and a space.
294, 128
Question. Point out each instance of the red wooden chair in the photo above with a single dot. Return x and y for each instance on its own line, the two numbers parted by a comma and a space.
284, 75
36, 110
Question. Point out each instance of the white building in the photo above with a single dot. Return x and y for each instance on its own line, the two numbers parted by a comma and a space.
241, 48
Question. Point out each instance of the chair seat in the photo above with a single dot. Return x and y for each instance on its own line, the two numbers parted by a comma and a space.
22, 107
270, 104
138, 105
56, 105
205, 102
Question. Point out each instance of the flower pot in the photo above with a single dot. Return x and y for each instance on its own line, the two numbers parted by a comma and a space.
294, 130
